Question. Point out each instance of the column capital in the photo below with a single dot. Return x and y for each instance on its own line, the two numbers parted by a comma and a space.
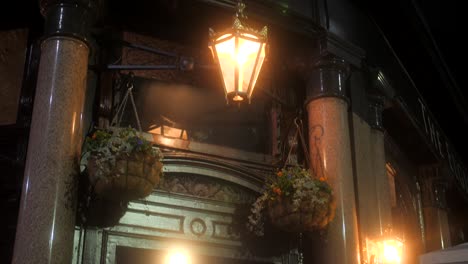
375, 107
328, 78
71, 18
380, 84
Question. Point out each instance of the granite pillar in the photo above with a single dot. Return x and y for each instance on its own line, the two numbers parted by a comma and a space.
330, 155
383, 208
48, 201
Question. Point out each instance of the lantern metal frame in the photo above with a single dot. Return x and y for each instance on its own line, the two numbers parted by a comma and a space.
239, 31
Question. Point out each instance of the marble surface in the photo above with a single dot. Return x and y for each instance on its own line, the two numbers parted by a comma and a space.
47, 211
330, 153
384, 204
366, 179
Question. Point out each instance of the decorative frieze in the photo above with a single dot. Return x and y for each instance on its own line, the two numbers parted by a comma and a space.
204, 187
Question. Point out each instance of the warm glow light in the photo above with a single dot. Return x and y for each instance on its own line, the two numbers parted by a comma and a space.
391, 253
240, 53
243, 58
168, 131
237, 98
178, 256
225, 51
384, 251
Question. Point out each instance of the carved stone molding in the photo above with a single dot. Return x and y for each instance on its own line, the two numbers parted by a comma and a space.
198, 227
239, 172
204, 187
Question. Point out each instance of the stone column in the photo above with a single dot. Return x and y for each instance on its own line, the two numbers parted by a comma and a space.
48, 201
383, 210
437, 231
330, 154
365, 179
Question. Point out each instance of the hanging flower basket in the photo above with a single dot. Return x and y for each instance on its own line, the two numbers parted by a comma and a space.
121, 165
314, 212
133, 176
294, 201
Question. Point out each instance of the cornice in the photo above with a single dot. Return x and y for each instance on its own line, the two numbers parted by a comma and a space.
332, 44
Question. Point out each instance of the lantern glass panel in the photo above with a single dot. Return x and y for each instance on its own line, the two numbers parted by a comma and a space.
261, 58
226, 54
246, 60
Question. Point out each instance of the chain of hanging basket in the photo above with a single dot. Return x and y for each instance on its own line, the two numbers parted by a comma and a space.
117, 119
132, 174
116, 174
298, 134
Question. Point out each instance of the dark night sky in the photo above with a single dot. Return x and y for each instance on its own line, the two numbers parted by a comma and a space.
444, 21
446, 24
427, 38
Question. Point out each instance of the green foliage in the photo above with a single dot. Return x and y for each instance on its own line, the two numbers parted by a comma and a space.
294, 182
289, 181
104, 145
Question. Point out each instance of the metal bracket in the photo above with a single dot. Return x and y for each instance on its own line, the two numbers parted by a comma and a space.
183, 63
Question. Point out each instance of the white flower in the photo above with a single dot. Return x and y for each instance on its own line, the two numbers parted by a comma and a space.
293, 182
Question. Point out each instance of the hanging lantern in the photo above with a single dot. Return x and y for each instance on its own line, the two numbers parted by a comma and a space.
239, 52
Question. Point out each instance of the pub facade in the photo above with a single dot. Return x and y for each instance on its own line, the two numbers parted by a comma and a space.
331, 96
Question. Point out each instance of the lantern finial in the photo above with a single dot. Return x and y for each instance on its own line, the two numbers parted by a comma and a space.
240, 10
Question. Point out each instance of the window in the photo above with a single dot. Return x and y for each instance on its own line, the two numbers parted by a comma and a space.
191, 113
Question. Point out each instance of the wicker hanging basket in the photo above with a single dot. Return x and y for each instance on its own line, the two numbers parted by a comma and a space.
311, 214
133, 176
